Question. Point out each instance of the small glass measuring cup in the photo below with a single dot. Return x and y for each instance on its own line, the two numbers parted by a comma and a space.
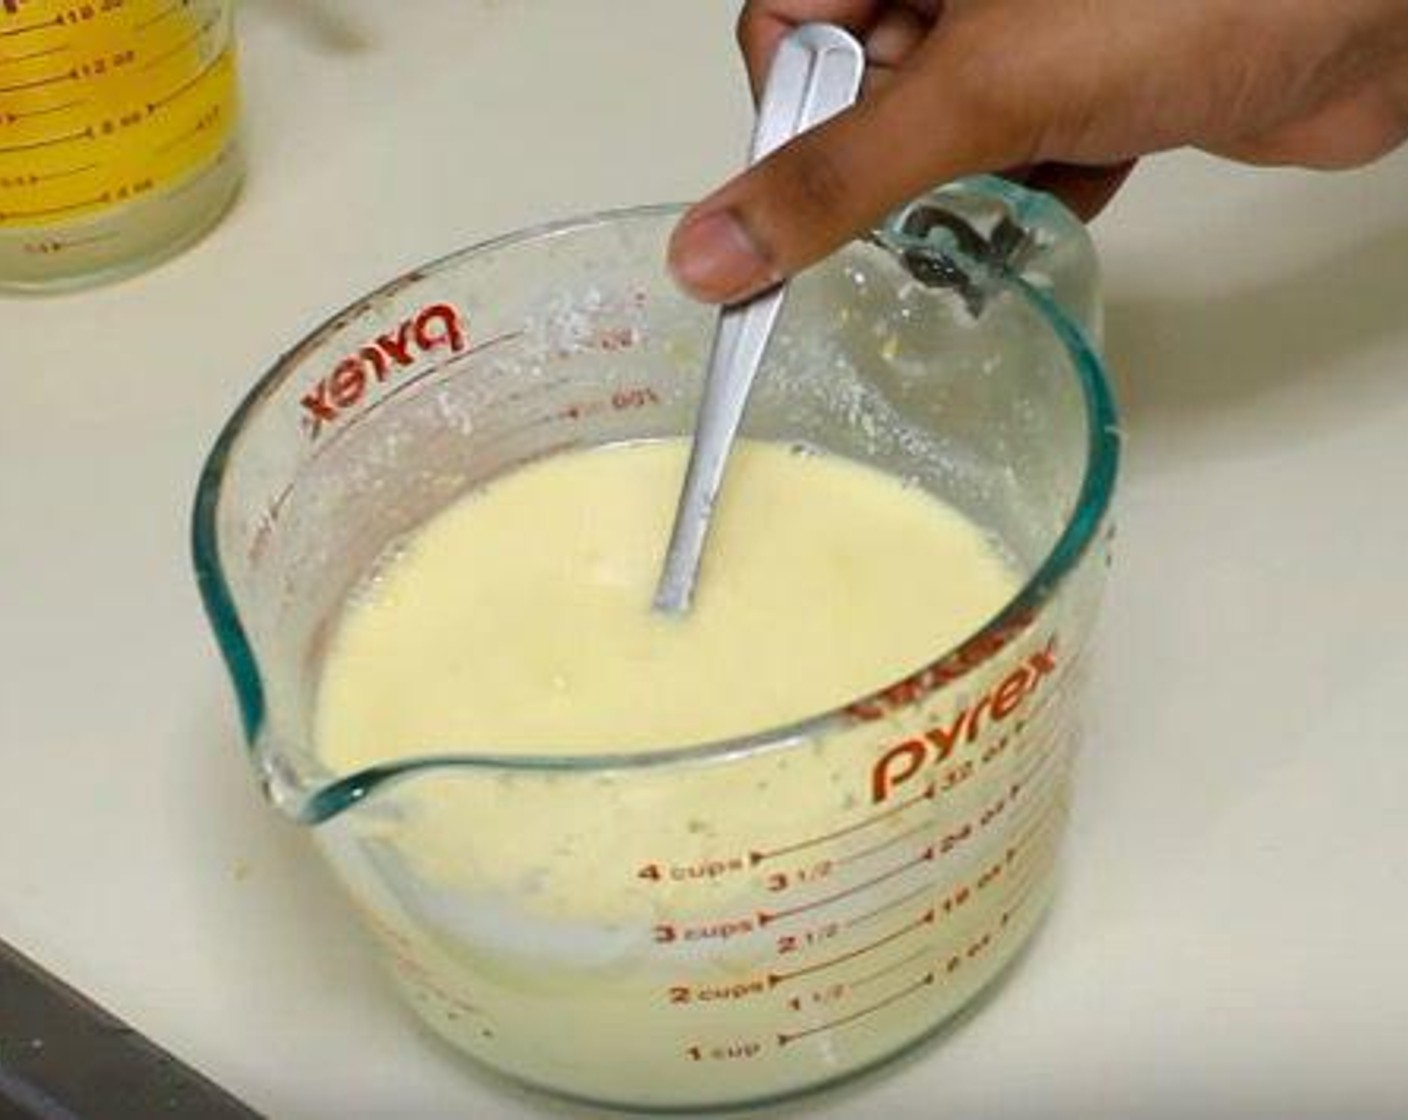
714, 925
117, 134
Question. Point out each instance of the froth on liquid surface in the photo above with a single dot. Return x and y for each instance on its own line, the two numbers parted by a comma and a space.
519, 620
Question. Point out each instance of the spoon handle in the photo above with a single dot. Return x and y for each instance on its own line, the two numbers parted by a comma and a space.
815, 74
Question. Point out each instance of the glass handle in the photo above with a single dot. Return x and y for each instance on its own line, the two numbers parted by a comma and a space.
975, 236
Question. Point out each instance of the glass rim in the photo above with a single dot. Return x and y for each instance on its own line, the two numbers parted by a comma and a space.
328, 798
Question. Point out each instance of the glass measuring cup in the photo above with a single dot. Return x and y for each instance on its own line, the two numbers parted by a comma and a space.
117, 134
716, 925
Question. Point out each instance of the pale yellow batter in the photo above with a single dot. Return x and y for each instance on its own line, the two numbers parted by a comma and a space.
683, 933
519, 619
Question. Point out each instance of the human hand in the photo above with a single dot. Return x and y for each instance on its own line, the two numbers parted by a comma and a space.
1064, 94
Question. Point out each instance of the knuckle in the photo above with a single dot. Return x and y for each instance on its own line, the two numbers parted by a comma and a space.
1007, 99
985, 97
817, 185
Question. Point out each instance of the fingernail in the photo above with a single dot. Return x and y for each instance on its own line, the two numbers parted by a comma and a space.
713, 258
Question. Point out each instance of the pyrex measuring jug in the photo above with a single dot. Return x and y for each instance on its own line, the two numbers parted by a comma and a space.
117, 134
711, 925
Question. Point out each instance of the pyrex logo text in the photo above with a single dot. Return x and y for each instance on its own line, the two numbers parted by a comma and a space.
436, 327
905, 760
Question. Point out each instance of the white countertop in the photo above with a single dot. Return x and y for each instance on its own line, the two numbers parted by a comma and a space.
1230, 938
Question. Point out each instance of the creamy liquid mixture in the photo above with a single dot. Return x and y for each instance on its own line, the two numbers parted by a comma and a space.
519, 619
602, 932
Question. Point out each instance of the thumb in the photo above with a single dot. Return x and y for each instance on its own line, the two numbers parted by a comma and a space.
820, 190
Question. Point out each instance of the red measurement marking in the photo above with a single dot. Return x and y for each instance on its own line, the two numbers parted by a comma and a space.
185, 44
951, 840
43, 52
927, 980
30, 178
715, 993
1048, 798
926, 856
193, 182
38, 83
701, 869
264, 527
184, 87
893, 904
729, 1051
807, 939
1020, 894
723, 930
1025, 779
1048, 737
487, 443
1021, 891
1042, 818
956, 775
274, 509
65, 172
818, 997
166, 12
892, 967
875, 849
50, 142
623, 399
578, 411
894, 810
20, 115
47, 211
415, 380
925, 919
995, 750
920, 956
780, 881
416, 974
10, 7
78, 242
205, 124
903, 761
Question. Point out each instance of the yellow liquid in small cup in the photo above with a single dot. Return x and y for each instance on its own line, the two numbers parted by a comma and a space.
105, 105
